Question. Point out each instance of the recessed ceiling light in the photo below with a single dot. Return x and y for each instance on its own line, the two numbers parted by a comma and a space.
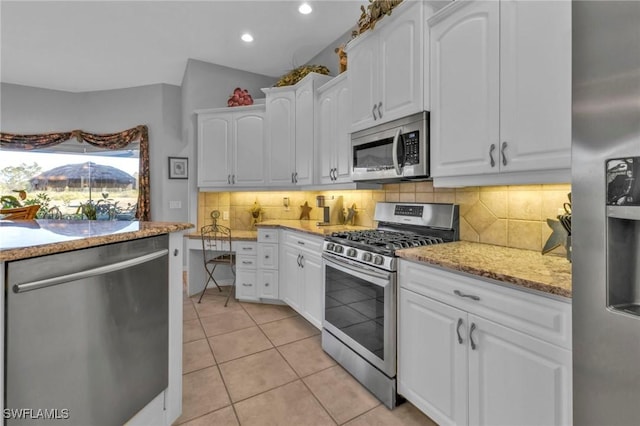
246, 37
305, 9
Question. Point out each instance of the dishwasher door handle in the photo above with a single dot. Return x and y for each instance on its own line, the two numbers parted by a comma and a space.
101, 270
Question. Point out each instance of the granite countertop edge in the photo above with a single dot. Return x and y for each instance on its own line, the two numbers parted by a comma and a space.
554, 275
147, 229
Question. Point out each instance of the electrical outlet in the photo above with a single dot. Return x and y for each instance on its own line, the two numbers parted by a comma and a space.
175, 204
225, 215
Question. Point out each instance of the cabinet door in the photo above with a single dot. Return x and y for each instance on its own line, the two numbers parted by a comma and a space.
326, 132
304, 116
246, 288
515, 379
464, 77
535, 87
401, 63
290, 285
363, 62
215, 149
313, 288
281, 137
342, 144
432, 363
268, 284
249, 152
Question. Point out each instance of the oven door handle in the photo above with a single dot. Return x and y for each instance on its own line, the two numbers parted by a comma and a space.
382, 279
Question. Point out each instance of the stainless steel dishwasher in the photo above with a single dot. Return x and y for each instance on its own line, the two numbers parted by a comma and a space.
87, 332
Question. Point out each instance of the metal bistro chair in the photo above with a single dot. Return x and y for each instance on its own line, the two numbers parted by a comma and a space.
216, 250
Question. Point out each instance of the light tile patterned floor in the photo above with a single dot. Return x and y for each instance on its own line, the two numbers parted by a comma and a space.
258, 364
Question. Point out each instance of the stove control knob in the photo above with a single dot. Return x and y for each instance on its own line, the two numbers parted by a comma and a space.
366, 257
351, 252
330, 246
338, 248
378, 260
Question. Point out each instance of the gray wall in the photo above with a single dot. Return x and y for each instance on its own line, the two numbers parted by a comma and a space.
33, 110
207, 85
328, 57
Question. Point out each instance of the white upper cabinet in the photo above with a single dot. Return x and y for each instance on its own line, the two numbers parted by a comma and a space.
231, 147
501, 92
281, 131
465, 91
535, 87
290, 132
333, 123
386, 69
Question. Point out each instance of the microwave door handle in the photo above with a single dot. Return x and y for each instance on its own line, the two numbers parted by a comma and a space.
396, 163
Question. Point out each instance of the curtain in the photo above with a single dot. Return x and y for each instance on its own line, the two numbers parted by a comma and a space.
110, 141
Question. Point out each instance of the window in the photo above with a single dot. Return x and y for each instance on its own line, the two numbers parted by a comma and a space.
65, 179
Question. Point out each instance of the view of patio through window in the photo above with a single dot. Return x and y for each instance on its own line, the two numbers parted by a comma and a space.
95, 185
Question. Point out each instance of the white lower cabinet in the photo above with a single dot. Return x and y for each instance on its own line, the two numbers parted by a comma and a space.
301, 274
460, 367
268, 263
246, 275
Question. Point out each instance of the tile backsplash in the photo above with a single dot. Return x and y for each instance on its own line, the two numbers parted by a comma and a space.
512, 216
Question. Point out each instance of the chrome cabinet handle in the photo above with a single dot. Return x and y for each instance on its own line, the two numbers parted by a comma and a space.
301, 243
246, 285
233, 179
470, 296
373, 111
299, 260
175, 252
266, 284
504, 156
247, 248
247, 262
295, 177
380, 110
266, 256
335, 174
291, 177
473, 344
229, 179
491, 149
458, 330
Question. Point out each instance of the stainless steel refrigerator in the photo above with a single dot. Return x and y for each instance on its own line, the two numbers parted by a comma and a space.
606, 212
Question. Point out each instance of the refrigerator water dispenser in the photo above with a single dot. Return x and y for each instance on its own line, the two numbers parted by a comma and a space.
623, 235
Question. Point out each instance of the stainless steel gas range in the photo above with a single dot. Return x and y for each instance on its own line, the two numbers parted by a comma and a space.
359, 274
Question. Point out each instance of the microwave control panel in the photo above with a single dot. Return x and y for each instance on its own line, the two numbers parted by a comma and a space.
411, 148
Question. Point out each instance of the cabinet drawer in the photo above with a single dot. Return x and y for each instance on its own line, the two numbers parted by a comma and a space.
267, 235
268, 256
303, 241
245, 247
268, 284
246, 262
246, 287
533, 314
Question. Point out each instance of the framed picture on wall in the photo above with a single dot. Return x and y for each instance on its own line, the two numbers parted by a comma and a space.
178, 168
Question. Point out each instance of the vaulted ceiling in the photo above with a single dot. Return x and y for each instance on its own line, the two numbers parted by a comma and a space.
87, 45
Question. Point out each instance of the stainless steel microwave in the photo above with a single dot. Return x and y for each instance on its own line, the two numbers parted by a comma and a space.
393, 151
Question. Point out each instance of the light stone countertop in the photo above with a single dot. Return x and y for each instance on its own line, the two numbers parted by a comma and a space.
22, 239
522, 268
307, 226
310, 226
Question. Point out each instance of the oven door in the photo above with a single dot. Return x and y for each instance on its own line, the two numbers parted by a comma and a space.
360, 310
